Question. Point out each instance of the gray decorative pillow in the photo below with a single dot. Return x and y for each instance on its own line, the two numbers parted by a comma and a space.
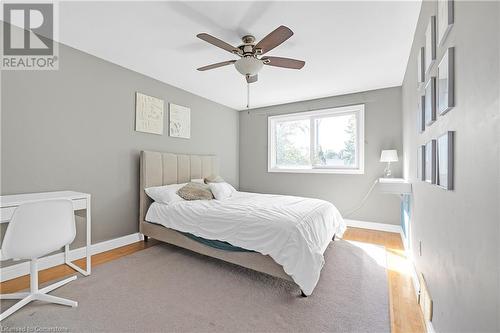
214, 179
195, 191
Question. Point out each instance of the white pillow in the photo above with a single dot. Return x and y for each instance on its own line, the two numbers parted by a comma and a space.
222, 191
198, 180
165, 194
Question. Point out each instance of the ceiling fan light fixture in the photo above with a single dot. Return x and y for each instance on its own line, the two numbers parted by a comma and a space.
248, 65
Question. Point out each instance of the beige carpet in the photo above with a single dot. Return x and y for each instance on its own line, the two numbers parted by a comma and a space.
165, 288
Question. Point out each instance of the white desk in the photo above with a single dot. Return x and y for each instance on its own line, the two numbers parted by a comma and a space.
81, 201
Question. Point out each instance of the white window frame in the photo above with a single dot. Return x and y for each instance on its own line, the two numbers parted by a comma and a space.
358, 110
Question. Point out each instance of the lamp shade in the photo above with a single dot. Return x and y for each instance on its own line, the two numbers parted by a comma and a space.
389, 155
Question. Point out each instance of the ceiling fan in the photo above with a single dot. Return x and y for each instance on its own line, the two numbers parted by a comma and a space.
251, 62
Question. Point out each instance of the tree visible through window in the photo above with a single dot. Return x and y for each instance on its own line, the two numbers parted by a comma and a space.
325, 140
292, 143
335, 141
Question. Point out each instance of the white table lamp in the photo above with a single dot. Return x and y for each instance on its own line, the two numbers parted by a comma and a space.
388, 156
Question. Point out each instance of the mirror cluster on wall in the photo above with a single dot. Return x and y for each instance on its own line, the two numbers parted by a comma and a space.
436, 87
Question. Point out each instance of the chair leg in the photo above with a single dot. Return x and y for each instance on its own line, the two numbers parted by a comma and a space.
35, 297
14, 296
54, 299
35, 294
56, 285
16, 307
33, 276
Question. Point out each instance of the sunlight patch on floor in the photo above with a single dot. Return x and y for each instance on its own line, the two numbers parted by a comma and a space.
391, 259
397, 262
376, 252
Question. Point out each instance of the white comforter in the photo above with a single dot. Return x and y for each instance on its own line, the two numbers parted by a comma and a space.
294, 231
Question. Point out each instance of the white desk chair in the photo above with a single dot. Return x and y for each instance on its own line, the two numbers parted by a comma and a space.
37, 229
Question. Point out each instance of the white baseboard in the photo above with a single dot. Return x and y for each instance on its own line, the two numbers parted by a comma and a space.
414, 274
414, 277
17, 270
374, 226
429, 327
416, 285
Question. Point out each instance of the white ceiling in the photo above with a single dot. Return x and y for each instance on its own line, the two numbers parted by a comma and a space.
348, 46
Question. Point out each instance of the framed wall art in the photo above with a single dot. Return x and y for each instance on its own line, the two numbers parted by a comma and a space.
421, 114
430, 162
421, 66
445, 19
430, 44
445, 160
430, 101
446, 82
179, 121
148, 114
421, 163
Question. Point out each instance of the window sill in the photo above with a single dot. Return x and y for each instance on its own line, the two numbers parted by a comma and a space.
324, 170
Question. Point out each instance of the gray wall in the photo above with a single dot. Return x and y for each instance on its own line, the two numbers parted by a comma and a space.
459, 229
382, 131
73, 129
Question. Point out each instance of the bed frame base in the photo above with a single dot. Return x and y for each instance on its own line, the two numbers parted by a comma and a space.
252, 260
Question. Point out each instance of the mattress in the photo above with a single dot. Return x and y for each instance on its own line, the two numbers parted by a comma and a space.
294, 231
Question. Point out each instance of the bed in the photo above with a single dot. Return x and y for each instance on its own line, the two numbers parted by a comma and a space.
284, 228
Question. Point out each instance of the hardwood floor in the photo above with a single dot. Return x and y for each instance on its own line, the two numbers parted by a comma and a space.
60, 271
404, 311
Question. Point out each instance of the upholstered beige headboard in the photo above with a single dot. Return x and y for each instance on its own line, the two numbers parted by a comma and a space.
159, 169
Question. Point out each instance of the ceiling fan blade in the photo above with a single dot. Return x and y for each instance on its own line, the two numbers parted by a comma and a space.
217, 65
217, 42
274, 39
283, 62
252, 79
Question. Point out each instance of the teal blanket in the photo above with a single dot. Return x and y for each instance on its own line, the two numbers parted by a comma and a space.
215, 243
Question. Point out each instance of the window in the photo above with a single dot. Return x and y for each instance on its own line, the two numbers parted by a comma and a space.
323, 141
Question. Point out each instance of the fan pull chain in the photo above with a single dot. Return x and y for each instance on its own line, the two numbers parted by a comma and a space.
248, 96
